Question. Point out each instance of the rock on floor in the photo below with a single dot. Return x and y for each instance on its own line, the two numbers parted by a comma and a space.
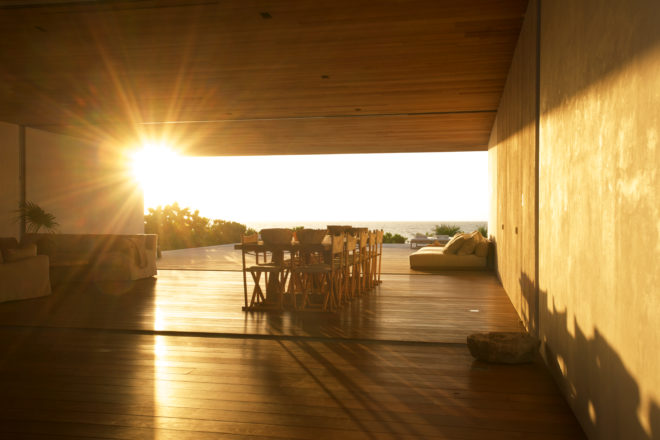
503, 347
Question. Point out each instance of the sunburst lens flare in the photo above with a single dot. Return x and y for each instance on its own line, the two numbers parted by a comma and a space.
154, 164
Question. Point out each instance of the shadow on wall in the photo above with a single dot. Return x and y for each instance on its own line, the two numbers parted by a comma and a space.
603, 394
633, 33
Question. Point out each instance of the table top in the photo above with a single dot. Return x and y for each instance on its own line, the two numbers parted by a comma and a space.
283, 247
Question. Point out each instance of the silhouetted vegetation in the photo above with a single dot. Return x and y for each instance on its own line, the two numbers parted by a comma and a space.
483, 230
179, 228
396, 238
35, 218
444, 229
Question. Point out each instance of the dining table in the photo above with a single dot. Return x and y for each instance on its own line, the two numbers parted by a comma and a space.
296, 250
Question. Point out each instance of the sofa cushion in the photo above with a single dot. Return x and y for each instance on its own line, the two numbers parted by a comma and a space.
70, 259
481, 249
23, 279
101, 256
467, 248
429, 258
454, 244
5, 244
20, 253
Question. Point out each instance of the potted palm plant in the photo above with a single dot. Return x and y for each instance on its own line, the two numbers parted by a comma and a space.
36, 218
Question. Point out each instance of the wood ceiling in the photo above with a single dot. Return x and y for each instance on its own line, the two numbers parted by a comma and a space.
246, 77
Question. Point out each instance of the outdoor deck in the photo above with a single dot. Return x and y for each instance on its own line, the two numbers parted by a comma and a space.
225, 257
175, 357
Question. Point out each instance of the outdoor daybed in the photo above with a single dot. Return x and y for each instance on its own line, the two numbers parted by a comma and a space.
98, 257
23, 273
423, 240
464, 251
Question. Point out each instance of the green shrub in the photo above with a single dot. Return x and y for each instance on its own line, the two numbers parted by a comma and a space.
179, 228
450, 230
483, 230
396, 238
36, 218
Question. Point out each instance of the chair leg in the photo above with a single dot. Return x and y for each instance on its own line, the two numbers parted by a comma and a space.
305, 285
338, 288
355, 290
257, 294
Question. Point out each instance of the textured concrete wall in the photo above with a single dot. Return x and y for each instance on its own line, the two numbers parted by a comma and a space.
598, 243
512, 153
599, 218
9, 180
86, 187
492, 184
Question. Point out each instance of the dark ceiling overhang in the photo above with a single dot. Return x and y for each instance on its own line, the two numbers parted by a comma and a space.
245, 77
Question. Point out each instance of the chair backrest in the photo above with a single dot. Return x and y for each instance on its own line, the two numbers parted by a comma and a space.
252, 239
249, 239
363, 240
337, 251
372, 239
351, 242
338, 244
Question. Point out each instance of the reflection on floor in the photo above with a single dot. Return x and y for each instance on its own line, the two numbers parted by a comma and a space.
426, 308
175, 357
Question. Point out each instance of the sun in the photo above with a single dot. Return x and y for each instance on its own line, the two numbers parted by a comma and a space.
154, 164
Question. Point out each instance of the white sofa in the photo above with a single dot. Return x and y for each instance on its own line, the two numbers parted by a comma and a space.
463, 252
23, 273
98, 257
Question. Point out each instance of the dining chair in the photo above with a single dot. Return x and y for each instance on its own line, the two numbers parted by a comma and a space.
351, 270
371, 260
378, 256
319, 285
363, 260
247, 240
274, 275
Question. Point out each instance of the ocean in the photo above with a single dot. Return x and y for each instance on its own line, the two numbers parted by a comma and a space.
406, 229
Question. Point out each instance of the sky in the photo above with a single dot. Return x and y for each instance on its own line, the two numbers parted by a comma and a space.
357, 187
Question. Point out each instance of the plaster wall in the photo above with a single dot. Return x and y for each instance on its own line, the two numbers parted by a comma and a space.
598, 208
9, 180
512, 158
85, 186
599, 211
492, 185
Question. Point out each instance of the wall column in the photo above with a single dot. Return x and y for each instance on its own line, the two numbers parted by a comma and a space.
514, 148
21, 175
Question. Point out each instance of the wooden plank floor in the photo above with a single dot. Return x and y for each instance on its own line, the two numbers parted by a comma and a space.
176, 358
426, 308
89, 384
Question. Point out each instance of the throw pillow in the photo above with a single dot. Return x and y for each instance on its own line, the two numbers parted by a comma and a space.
7, 243
469, 244
25, 251
454, 244
481, 250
